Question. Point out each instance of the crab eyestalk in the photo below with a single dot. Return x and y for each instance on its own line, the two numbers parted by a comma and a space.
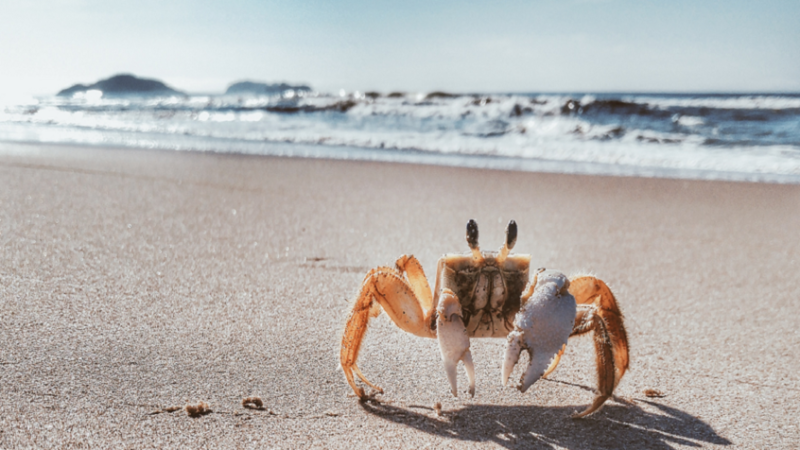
472, 240
511, 239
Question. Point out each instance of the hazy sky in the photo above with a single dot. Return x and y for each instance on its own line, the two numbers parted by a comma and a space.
568, 45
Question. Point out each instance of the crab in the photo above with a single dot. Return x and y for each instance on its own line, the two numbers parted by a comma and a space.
485, 294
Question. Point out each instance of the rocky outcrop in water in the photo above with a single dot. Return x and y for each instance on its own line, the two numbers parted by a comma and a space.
252, 87
123, 84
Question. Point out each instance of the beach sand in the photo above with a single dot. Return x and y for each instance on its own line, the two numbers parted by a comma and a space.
133, 280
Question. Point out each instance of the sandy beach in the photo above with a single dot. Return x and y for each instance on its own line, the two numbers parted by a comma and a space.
134, 280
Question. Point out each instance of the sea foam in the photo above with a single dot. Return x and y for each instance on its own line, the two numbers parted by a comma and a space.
752, 137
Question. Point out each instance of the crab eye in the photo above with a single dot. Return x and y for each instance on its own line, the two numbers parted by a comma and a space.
472, 234
511, 234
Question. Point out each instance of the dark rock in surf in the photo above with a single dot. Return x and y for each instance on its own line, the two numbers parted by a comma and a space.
293, 108
518, 110
481, 101
123, 85
252, 87
440, 94
571, 107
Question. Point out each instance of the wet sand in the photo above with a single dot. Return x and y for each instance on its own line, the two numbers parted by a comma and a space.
133, 280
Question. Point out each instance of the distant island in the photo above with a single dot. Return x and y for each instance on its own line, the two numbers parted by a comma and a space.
252, 87
126, 84
123, 84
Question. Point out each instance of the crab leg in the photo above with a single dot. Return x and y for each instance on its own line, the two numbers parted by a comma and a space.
541, 327
454, 340
365, 380
410, 266
387, 288
598, 311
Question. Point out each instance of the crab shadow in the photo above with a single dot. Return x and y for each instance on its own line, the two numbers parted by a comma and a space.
617, 425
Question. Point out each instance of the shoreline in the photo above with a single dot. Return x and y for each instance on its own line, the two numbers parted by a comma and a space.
133, 280
426, 158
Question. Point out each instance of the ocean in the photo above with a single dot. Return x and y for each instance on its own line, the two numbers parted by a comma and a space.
738, 137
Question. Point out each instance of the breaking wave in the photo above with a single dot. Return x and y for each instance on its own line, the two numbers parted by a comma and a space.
748, 134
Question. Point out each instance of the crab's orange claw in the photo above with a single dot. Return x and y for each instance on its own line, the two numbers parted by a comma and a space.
541, 327
598, 311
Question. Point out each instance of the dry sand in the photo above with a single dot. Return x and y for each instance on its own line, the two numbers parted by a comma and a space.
133, 280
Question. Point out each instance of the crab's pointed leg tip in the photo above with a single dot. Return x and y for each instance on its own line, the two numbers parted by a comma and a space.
580, 415
596, 405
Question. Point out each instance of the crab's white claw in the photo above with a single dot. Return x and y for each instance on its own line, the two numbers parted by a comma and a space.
541, 327
535, 370
470, 372
453, 341
454, 345
513, 349
451, 366
536, 366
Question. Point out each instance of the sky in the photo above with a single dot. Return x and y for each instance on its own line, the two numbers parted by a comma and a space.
415, 46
